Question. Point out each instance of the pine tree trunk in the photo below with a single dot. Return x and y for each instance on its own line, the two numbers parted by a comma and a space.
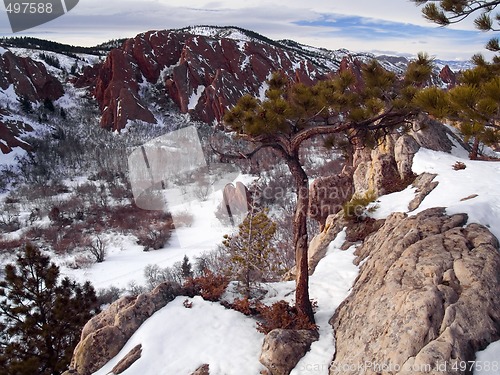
475, 149
300, 239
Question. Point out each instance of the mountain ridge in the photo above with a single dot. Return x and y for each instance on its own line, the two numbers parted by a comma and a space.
202, 70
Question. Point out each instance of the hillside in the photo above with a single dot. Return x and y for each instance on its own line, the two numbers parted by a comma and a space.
108, 165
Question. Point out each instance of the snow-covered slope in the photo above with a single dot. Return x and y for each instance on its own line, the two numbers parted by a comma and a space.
178, 340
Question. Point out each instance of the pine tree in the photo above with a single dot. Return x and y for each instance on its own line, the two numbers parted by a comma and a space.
186, 268
474, 104
250, 250
291, 113
446, 12
41, 318
26, 105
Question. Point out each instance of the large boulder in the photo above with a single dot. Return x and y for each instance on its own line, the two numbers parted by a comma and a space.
426, 298
105, 335
283, 349
236, 201
388, 167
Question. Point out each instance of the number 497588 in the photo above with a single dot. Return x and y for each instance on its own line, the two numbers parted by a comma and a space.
29, 8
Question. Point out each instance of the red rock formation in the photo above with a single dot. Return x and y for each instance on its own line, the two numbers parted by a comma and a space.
117, 91
202, 75
88, 78
349, 64
448, 76
30, 78
9, 134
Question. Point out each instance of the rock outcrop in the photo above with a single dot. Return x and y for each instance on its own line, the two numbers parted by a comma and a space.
426, 297
424, 185
127, 361
29, 78
236, 202
106, 334
328, 194
10, 133
283, 349
387, 168
202, 370
448, 76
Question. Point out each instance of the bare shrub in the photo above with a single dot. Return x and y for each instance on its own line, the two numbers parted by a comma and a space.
108, 295
183, 219
156, 275
133, 289
9, 218
202, 188
10, 246
96, 247
215, 261
209, 286
68, 238
155, 236
282, 315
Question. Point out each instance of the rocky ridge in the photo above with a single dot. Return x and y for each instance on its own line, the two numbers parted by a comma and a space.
425, 299
29, 80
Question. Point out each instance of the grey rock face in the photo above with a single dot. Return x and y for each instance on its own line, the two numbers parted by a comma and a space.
105, 335
283, 348
426, 297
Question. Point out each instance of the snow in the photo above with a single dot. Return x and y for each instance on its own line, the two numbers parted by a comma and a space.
195, 97
9, 95
394, 202
2, 50
177, 340
488, 360
125, 260
329, 286
11, 158
473, 190
479, 178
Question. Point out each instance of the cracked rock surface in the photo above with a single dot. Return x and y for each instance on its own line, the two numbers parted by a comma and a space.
426, 298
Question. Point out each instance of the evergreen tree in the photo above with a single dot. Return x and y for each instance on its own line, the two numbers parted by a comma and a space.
250, 250
186, 268
41, 318
359, 110
49, 105
474, 104
26, 105
446, 12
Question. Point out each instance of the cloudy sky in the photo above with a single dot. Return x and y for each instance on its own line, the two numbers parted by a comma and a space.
381, 27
